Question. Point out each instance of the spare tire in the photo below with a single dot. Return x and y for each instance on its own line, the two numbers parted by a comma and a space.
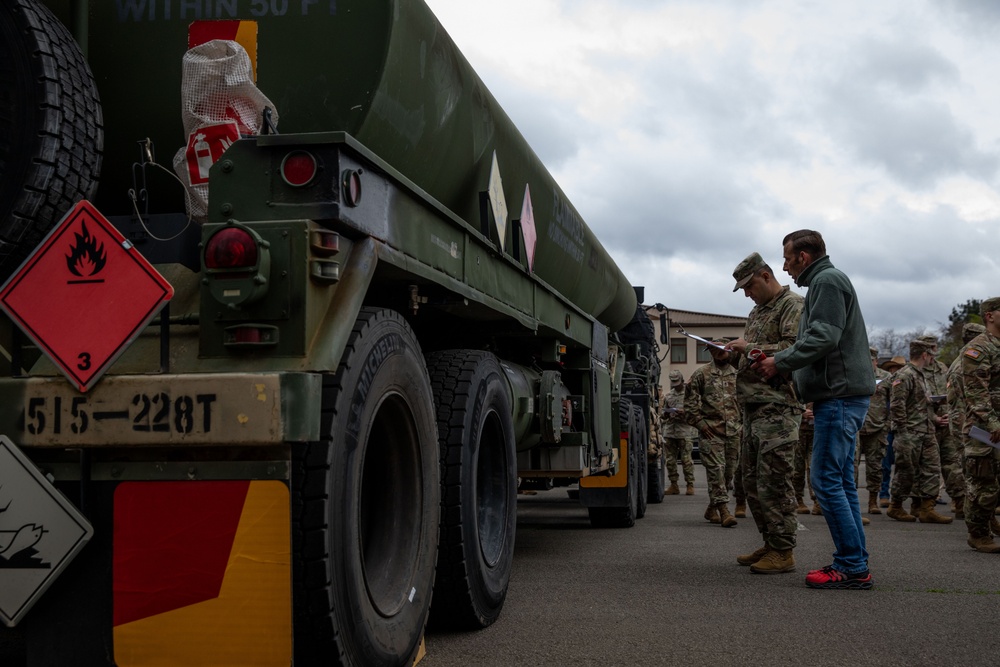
51, 128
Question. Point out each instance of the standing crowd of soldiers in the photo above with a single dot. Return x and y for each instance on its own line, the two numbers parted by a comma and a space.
939, 425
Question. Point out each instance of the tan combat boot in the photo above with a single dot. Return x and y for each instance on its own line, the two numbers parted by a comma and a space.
800, 506
980, 540
741, 510
927, 514
727, 519
775, 561
897, 512
959, 508
712, 514
873, 505
690, 490
915, 507
751, 558
883, 502
816, 510
673, 490
995, 527
865, 521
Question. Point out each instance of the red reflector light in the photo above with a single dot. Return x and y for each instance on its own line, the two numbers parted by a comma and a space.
298, 168
247, 335
231, 248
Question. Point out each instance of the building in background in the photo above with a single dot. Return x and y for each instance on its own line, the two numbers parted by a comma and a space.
686, 354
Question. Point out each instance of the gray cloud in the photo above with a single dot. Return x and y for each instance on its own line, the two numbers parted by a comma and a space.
877, 108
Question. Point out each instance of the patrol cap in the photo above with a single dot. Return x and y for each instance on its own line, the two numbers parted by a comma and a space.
919, 346
971, 330
929, 339
894, 364
874, 352
988, 305
676, 378
744, 270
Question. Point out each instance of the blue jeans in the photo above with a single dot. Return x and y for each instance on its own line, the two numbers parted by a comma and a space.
890, 458
838, 421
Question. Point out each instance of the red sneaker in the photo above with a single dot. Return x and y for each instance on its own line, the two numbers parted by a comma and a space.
827, 577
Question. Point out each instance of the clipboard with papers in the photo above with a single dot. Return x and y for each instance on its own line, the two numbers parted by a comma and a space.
700, 339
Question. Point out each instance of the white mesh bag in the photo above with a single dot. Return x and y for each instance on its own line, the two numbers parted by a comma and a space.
219, 102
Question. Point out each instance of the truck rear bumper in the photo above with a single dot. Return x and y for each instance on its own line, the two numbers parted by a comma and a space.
230, 409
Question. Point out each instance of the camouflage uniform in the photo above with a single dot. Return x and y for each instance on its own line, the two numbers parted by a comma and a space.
948, 445
872, 440
771, 418
803, 455
711, 409
981, 376
678, 437
918, 466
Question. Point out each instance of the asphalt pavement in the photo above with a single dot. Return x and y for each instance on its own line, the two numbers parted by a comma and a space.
669, 592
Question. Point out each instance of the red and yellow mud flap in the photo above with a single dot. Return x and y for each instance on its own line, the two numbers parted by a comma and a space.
202, 573
619, 479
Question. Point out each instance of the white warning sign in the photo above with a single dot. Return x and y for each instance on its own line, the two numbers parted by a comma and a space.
40, 533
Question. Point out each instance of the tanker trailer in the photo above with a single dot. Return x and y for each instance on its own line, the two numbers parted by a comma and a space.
309, 444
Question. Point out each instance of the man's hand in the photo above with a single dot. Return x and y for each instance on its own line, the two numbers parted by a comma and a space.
738, 346
941, 420
995, 436
765, 368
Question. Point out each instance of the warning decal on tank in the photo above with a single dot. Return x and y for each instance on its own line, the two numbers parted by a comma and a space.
206, 145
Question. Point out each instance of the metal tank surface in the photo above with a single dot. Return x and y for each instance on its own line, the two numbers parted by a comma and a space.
383, 71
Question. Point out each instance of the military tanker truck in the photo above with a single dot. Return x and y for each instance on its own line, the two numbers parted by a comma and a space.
299, 436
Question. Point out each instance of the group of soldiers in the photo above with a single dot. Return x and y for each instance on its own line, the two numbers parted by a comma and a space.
915, 438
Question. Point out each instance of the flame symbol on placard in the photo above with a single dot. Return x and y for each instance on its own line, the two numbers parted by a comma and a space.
87, 257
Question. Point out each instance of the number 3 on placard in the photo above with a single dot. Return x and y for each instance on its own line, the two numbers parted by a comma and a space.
84, 358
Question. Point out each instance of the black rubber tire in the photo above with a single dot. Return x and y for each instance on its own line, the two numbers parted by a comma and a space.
622, 517
639, 450
366, 502
657, 479
479, 488
51, 128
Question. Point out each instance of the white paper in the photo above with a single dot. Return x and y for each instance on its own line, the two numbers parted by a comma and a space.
700, 339
982, 436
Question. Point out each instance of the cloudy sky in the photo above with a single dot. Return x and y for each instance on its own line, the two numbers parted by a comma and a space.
690, 133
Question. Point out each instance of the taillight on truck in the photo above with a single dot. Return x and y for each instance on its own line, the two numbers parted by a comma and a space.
237, 263
299, 168
231, 248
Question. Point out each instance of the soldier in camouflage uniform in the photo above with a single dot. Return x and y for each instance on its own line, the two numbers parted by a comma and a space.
711, 408
918, 466
679, 436
949, 447
872, 437
981, 375
955, 391
771, 416
803, 454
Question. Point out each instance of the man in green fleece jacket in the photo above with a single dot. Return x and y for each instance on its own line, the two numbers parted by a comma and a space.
831, 368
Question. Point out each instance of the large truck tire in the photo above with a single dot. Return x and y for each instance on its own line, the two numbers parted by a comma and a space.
51, 128
479, 494
622, 517
639, 447
366, 504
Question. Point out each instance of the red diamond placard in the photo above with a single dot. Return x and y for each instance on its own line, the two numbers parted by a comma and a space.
84, 295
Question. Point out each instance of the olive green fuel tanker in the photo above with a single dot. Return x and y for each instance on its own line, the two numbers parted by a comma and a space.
383, 71
359, 350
